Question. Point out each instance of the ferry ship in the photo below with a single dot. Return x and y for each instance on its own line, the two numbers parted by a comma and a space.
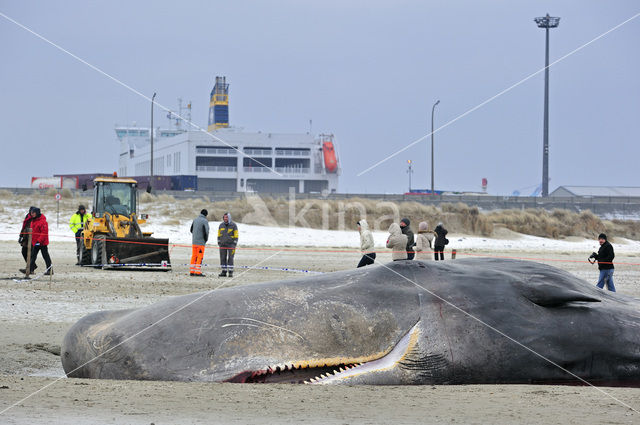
243, 162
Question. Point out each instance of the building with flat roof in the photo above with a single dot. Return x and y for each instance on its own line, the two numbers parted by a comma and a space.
229, 159
593, 191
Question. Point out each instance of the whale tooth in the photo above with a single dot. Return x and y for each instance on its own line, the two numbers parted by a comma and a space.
312, 380
341, 370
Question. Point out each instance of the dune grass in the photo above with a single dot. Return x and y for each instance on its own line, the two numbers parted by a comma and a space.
344, 214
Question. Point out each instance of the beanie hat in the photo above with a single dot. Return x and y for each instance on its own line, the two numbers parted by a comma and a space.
204, 212
405, 221
81, 207
602, 236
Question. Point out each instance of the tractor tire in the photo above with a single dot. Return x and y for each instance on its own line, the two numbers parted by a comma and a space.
98, 251
85, 255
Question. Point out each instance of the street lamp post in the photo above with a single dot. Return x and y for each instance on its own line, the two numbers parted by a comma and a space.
546, 22
432, 173
409, 171
152, 101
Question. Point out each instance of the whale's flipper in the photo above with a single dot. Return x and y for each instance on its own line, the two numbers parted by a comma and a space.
546, 295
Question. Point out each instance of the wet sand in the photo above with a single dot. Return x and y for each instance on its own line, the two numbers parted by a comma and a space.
36, 314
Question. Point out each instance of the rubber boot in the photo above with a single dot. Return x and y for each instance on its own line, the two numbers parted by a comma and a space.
223, 273
230, 274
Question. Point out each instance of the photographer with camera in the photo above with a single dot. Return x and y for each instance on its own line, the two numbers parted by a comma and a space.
604, 257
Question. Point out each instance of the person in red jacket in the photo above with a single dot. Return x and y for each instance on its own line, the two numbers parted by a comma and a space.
39, 240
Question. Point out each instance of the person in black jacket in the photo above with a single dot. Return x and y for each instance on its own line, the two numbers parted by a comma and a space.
605, 256
440, 242
411, 241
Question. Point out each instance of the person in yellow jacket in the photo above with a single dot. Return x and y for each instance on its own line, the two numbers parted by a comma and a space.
227, 241
77, 225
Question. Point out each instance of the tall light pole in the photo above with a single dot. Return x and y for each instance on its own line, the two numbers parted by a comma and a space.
409, 171
153, 98
546, 22
432, 112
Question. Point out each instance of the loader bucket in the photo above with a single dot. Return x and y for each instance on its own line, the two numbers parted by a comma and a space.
147, 253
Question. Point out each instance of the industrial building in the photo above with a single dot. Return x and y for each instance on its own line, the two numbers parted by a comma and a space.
229, 159
595, 191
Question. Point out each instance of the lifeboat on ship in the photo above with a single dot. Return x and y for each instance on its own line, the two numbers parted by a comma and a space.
330, 161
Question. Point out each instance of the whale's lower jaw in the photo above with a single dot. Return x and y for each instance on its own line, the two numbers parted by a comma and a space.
330, 371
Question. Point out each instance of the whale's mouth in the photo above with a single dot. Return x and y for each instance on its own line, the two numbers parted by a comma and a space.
290, 374
329, 370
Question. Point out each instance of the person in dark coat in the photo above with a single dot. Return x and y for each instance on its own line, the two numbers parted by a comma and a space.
440, 242
200, 235
604, 257
23, 239
39, 241
411, 241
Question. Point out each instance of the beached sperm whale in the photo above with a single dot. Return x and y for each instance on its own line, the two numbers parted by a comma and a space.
375, 325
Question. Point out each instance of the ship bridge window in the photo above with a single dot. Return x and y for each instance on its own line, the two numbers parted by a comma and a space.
166, 133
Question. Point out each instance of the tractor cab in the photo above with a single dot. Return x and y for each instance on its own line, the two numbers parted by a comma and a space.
115, 196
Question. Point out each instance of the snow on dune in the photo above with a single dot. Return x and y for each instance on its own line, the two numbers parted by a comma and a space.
253, 235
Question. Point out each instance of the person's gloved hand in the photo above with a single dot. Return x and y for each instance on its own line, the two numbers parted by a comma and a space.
593, 255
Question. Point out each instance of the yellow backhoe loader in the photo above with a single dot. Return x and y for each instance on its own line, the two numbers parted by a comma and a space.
113, 237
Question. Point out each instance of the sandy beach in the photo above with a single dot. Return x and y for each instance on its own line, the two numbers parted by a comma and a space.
36, 314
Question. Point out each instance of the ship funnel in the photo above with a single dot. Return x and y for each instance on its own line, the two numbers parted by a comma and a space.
219, 105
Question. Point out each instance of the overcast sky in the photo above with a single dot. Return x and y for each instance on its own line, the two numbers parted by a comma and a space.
367, 71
